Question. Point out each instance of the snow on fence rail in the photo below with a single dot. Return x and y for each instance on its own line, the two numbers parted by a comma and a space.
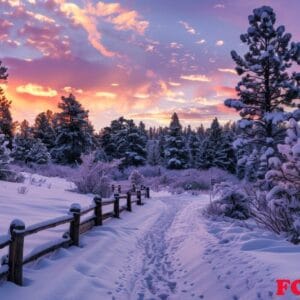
12, 265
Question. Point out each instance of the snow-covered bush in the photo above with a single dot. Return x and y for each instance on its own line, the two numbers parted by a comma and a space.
284, 180
94, 177
38, 153
5, 158
136, 178
231, 201
274, 218
48, 170
151, 171
191, 180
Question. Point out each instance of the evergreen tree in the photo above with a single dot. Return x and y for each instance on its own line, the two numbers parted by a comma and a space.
4, 157
73, 132
23, 142
38, 153
6, 122
176, 154
43, 129
216, 149
135, 154
124, 140
193, 145
153, 152
266, 87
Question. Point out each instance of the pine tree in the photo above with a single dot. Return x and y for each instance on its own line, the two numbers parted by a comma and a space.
23, 142
6, 122
153, 153
4, 157
216, 149
193, 145
266, 87
124, 140
73, 132
43, 129
176, 154
38, 153
135, 154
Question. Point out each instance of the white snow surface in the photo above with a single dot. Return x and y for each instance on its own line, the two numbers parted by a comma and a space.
165, 249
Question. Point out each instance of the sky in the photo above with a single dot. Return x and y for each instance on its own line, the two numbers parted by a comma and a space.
141, 59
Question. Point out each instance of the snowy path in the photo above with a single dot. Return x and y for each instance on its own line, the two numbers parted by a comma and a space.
163, 250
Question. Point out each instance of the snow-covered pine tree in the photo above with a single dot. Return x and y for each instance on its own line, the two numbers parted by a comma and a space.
23, 142
6, 122
124, 140
193, 146
175, 153
135, 154
216, 149
153, 152
39, 153
4, 157
43, 129
266, 87
73, 132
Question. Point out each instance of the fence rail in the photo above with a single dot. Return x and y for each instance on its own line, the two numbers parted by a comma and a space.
12, 267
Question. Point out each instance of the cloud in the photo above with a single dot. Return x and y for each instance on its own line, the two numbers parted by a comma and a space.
219, 43
130, 21
175, 45
227, 70
198, 115
36, 90
174, 83
200, 42
225, 91
72, 90
47, 39
141, 96
106, 95
88, 17
196, 77
219, 5
89, 23
187, 27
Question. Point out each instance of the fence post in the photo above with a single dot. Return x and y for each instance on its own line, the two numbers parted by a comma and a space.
98, 210
133, 188
128, 201
119, 189
147, 192
15, 256
113, 188
117, 206
75, 209
139, 198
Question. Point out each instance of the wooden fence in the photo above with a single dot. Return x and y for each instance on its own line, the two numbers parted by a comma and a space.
12, 267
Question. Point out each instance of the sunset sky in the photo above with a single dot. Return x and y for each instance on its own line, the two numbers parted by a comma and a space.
143, 59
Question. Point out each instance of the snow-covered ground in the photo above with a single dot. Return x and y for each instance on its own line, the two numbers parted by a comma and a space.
165, 249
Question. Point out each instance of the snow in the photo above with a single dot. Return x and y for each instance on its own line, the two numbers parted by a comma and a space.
165, 249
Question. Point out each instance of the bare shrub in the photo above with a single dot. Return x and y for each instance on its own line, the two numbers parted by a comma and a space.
22, 190
94, 177
136, 178
275, 218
